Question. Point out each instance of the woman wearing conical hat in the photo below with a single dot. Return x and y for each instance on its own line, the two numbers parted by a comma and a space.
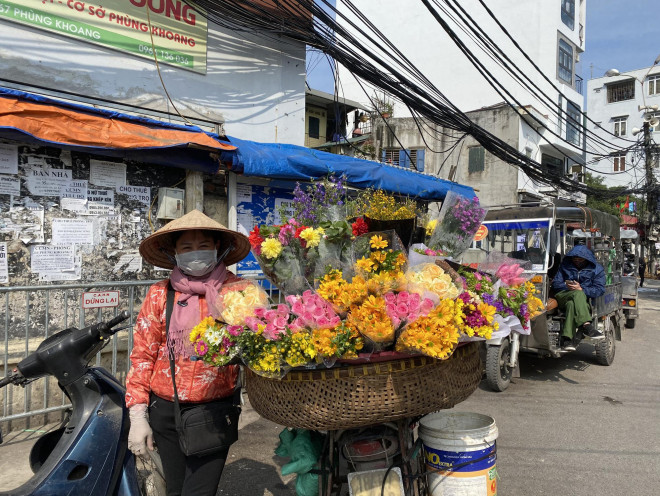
198, 249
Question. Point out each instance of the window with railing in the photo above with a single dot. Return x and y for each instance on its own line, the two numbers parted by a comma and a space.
411, 158
573, 123
619, 92
654, 84
565, 57
568, 13
620, 125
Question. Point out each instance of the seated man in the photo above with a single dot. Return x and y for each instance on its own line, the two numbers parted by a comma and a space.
579, 277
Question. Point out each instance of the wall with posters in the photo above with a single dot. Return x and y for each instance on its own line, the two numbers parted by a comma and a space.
68, 216
257, 203
254, 85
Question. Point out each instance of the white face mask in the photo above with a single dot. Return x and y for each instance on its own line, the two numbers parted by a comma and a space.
197, 263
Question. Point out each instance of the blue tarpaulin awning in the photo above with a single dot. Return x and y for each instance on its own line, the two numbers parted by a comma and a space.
297, 163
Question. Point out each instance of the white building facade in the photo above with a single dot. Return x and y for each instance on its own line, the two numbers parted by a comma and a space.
618, 106
252, 86
551, 33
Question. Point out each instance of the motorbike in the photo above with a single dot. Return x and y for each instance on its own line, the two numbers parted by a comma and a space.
88, 454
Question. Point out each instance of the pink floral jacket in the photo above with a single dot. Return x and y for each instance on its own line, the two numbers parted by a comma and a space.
150, 365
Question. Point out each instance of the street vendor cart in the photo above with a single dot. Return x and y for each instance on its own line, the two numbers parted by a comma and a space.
540, 236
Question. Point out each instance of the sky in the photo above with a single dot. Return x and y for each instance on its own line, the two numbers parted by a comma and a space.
620, 34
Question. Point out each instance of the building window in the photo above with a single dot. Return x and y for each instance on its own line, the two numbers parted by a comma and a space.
552, 164
618, 92
620, 125
619, 163
412, 158
573, 123
565, 62
654, 84
314, 126
568, 13
477, 159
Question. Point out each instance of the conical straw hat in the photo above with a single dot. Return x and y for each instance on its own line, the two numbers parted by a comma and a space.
155, 248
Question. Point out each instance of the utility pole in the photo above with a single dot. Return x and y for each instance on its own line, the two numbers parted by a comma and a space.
651, 194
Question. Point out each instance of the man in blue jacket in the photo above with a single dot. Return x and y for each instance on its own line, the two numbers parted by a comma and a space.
579, 277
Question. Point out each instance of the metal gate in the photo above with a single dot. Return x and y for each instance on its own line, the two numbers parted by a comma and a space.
33, 313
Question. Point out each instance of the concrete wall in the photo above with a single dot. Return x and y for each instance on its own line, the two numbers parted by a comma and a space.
603, 114
256, 86
498, 184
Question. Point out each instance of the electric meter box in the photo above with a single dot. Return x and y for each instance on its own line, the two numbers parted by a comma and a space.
170, 203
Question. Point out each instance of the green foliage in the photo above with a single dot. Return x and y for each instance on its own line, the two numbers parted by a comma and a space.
607, 199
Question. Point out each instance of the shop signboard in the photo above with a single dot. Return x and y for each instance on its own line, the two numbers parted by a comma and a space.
178, 32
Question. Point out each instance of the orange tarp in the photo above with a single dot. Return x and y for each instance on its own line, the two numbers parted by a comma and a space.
66, 126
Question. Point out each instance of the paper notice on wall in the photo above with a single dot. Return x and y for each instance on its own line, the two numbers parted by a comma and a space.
100, 202
46, 181
245, 221
37, 160
64, 275
52, 258
65, 158
287, 205
109, 174
129, 262
10, 185
243, 193
73, 232
4, 267
139, 193
74, 205
75, 189
8, 159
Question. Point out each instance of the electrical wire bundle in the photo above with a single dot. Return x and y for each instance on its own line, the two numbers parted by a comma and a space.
313, 23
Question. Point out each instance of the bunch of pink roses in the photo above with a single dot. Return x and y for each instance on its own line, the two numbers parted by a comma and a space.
274, 321
404, 307
312, 311
510, 274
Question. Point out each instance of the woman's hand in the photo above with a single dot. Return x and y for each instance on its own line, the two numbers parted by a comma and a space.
140, 435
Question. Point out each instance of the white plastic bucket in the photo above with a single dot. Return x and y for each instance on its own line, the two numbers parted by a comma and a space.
460, 453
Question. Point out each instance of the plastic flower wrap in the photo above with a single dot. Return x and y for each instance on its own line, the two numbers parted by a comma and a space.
436, 334
511, 275
215, 343
419, 254
521, 302
238, 301
430, 280
460, 218
477, 281
477, 316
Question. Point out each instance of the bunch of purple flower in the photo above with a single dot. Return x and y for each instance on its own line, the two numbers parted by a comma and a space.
314, 204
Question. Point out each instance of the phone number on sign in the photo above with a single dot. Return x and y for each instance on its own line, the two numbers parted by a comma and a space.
166, 56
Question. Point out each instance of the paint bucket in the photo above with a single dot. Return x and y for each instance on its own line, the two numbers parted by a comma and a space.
460, 453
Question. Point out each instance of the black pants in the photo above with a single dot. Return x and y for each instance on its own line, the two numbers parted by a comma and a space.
184, 475
641, 276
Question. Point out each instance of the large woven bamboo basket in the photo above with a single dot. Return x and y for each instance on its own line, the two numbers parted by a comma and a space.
367, 394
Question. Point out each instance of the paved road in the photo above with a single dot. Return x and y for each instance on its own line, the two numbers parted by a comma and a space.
568, 427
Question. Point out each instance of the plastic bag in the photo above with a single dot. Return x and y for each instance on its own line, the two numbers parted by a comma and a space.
460, 218
237, 301
304, 448
431, 281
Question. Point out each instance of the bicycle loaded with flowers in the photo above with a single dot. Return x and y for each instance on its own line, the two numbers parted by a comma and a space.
350, 294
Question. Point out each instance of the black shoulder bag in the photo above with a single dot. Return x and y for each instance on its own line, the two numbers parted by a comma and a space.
203, 428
